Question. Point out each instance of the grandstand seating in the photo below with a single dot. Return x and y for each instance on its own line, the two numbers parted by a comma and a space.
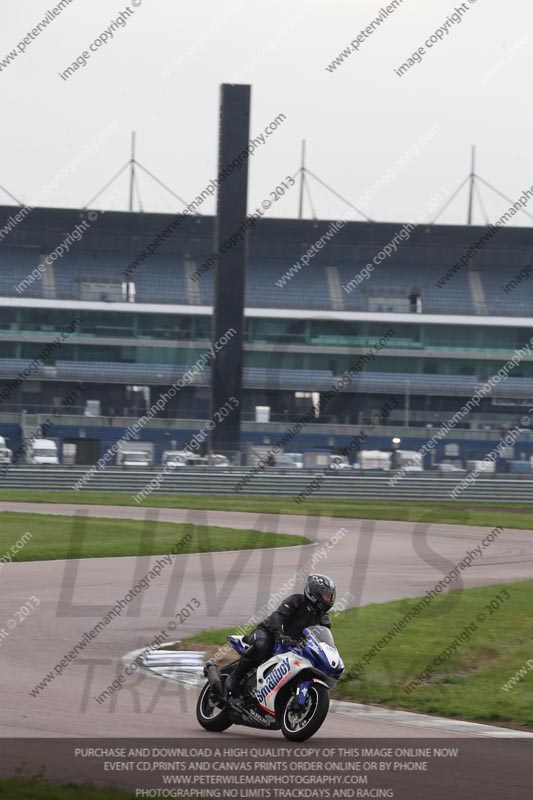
103, 371
164, 374
78, 265
268, 378
16, 264
454, 298
159, 279
430, 368
307, 289
517, 301
162, 278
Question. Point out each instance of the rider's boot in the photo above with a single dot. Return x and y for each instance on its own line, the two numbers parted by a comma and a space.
234, 679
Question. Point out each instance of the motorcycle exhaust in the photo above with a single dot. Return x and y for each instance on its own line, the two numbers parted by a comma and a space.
212, 673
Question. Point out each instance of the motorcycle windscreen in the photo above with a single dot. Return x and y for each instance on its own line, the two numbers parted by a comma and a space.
321, 633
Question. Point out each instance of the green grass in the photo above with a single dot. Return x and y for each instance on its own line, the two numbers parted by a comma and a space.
468, 685
508, 515
27, 789
56, 537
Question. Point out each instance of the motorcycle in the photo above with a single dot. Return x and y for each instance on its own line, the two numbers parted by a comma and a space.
290, 691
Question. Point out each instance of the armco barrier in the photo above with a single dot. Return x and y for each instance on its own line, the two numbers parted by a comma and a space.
287, 483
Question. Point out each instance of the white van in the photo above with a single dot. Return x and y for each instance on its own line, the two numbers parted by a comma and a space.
44, 451
5, 455
481, 466
297, 459
218, 460
5, 452
374, 459
175, 458
134, 458
339, 462
288, 460
410, 460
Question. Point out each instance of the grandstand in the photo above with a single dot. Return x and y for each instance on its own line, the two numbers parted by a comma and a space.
144, 321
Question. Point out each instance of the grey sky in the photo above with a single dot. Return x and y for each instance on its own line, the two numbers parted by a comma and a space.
160, 75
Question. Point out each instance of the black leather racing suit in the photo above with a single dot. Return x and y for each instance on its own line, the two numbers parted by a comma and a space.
289, 619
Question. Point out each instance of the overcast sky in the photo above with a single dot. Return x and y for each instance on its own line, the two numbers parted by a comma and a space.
160, 76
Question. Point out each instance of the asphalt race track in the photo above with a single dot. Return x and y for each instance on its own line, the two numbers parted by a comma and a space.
375, 561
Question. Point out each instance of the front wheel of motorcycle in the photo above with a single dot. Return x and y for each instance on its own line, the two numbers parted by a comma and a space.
300, 722
211, 712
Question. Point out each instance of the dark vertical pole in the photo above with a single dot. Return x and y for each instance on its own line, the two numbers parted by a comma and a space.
230, 273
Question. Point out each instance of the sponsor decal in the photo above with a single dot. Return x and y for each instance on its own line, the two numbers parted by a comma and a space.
259, 718
273, 679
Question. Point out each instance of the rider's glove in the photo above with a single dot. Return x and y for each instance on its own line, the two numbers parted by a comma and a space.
285, 641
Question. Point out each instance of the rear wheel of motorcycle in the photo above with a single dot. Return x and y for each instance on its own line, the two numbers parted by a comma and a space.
301, 722
210, 712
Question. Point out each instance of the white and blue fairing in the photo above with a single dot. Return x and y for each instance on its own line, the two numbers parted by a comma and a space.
320, 650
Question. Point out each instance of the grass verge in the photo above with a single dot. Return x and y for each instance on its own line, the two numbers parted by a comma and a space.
27, 789
508, 515
469, 684
56, 537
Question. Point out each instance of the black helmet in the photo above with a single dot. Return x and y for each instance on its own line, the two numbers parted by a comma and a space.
320, 590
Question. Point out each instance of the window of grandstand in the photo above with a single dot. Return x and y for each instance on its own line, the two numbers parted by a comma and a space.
8, 319
168, 326
313, 397
415, 301
110, 292
397, 305
277, 330
431, 368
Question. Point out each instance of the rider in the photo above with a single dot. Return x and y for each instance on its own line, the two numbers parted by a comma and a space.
285, 624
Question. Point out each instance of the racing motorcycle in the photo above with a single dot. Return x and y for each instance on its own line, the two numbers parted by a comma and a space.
290, 691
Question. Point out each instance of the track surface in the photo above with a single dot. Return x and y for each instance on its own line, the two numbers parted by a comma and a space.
375, 561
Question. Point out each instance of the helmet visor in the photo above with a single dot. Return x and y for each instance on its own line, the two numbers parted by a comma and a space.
327, 596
